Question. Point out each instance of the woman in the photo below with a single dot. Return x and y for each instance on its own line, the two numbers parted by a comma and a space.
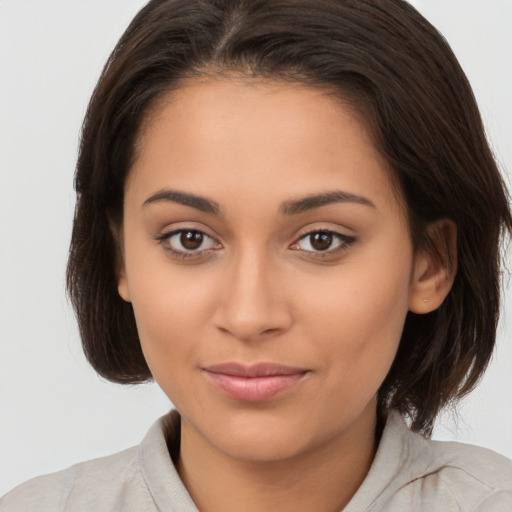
289, 217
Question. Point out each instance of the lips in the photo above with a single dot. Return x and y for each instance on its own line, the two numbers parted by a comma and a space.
253, 383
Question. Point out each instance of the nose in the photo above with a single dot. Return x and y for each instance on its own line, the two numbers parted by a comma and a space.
252, 303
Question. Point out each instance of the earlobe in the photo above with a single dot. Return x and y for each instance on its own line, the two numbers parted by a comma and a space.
434, 268
122, 284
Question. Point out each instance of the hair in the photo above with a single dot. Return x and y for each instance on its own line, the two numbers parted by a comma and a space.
397, 70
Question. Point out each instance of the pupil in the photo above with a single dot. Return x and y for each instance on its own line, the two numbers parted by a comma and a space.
321, 241
191, 239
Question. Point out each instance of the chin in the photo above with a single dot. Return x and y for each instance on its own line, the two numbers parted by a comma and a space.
261, 447
265, 436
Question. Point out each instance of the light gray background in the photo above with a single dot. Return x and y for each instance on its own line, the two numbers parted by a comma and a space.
54, 410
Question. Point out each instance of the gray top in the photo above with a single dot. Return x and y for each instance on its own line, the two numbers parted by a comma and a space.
409, 473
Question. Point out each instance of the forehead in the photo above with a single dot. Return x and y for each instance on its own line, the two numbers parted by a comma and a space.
237, 135
259, 106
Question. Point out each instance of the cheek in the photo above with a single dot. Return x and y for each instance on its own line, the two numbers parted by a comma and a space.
171, 309
357, 321
165, 313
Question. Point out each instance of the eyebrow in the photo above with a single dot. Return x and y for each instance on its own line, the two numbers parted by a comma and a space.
292, 207
325, 198
200, 203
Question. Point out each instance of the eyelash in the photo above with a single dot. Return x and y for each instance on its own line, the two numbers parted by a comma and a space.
345, 243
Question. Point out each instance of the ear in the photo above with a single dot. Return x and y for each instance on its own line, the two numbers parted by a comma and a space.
434, 268
122, 283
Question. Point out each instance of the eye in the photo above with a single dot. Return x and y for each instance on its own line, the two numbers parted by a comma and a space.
187, 242
323, 241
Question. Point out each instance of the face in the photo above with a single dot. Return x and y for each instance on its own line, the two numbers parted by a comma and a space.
268, 260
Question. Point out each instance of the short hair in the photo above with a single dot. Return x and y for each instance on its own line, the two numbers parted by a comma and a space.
397, 70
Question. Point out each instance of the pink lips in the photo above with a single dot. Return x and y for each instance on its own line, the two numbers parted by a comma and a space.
255, 383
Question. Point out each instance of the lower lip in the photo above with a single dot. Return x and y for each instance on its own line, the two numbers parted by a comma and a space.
254, 389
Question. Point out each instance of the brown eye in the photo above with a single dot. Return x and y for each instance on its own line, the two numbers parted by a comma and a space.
321, 241
191, 240
187, 243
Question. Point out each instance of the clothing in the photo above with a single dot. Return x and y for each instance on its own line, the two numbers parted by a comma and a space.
409, 473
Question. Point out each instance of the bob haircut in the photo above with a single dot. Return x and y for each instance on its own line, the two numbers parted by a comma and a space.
386, 61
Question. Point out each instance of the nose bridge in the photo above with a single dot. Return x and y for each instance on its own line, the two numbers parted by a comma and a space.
252, 304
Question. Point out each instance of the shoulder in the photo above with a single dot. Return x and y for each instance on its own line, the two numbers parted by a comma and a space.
411, 472
474, 463
140, 479
452, 476
95, 483
475, 478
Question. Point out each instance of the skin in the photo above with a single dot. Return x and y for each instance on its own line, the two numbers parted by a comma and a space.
258, 290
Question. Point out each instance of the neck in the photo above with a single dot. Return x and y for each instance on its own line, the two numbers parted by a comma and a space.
323, 479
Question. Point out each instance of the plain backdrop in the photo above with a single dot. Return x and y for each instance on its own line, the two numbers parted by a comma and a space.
54, 410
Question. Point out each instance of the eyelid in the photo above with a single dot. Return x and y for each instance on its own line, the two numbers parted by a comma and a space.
166, 237
345, 242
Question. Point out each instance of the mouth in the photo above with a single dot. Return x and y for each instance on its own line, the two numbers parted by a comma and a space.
253, 383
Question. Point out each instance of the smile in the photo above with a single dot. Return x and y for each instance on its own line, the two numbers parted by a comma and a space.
255, 383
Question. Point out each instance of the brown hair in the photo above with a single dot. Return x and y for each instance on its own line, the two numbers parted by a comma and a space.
399, 72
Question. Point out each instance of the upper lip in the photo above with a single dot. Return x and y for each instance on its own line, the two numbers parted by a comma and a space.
253, 370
